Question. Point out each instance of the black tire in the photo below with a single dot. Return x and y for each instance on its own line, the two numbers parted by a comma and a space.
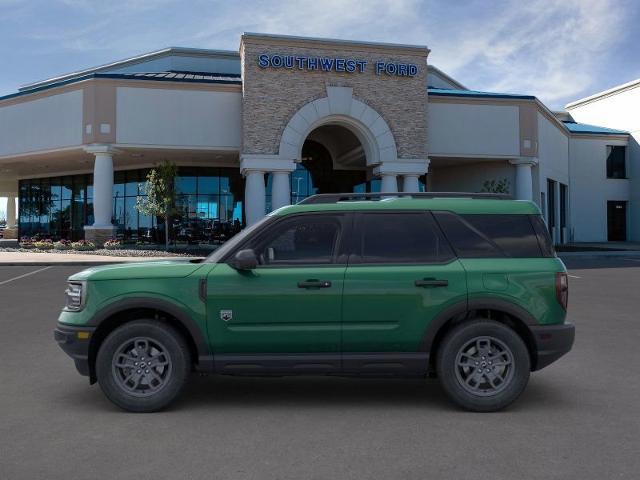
468, 349
121, 365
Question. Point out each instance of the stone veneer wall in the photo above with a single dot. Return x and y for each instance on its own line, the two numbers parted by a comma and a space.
271, 96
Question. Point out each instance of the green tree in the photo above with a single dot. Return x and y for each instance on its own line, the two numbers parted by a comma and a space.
160, 199
496, 186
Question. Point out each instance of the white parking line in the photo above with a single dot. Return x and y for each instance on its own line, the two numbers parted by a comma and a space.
573, 276
25, 275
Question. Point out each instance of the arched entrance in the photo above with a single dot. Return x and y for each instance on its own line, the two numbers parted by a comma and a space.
332, 144
336, 161
332, 160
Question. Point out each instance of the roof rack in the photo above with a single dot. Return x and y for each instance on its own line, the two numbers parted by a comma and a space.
345, 197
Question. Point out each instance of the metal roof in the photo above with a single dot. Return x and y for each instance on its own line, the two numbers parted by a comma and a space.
176, 75
187, 77
575, 127
145, 57
475, 93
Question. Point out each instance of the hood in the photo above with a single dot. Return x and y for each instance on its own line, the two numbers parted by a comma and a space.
139, 270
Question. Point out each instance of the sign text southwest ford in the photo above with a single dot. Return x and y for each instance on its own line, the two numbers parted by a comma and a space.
330, 64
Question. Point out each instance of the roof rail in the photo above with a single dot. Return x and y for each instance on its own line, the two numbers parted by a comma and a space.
342, 197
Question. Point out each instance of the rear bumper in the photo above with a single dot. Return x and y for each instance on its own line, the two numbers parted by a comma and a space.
74, 345
552, 342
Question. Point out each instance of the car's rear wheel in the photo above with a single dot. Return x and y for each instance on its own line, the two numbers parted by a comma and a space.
483, 365
143, 365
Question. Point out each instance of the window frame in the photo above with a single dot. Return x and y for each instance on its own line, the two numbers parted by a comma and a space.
608, 150
340, 254
356, 239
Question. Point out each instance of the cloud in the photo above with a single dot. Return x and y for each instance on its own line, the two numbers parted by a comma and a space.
558, 50
547, 48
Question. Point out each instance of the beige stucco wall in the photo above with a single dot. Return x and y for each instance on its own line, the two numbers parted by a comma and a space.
272, 96
50, 122
178, 117
461, 129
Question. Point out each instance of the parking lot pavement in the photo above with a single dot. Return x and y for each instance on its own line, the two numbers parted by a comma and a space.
578, 418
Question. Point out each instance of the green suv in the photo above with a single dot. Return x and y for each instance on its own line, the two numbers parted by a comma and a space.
463, 287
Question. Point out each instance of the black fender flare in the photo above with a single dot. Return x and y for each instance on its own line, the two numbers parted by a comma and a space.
203, 352
462, 308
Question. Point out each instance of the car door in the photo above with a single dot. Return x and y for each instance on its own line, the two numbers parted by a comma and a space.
401, 274
286, 313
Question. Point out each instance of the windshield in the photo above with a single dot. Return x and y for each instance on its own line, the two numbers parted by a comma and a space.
226, 247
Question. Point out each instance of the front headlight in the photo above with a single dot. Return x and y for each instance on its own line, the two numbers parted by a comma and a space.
75, 295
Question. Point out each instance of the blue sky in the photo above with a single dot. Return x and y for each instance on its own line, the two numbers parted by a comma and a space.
557, 50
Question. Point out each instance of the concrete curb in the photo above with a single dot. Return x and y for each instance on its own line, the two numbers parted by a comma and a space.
43, 262
62, 264
600, 254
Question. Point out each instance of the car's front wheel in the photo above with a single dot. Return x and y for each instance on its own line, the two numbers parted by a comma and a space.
143, 365
483, 365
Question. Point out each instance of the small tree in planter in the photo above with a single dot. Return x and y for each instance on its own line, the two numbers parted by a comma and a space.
160, 193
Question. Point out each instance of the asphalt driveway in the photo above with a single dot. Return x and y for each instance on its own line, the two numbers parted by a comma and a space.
579, 418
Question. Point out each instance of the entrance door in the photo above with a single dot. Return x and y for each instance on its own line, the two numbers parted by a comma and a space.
617, 221
286, 313
401, 275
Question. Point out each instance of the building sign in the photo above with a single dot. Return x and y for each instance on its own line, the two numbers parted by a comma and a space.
331, 64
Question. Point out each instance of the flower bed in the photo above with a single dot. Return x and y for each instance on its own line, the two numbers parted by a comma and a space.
113, 244
62, 245
26, 243
83, 245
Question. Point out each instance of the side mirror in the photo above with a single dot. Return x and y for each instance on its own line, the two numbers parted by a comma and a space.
244, 260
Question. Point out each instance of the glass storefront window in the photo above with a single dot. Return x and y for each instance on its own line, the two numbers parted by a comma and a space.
67, 188
209, 205
186, 184
208, 185
118, 184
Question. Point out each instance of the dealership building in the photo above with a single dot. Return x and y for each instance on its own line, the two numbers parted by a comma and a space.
286, 117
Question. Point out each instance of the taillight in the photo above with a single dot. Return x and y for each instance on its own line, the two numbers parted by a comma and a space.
562, 289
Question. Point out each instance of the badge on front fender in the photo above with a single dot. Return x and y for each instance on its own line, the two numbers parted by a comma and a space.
226, 315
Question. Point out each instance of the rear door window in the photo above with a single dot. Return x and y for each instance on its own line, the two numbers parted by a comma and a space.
398, 238
486, 236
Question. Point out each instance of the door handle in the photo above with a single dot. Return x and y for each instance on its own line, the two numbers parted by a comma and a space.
431, 282
314, 284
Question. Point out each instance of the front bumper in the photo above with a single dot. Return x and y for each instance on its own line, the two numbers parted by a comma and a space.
75, 343
552, 342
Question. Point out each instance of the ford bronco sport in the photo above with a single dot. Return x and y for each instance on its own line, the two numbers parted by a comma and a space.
465, 287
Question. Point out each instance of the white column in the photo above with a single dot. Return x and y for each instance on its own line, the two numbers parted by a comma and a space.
410, 183
103, 189
254, 196
11, 211
389, 183
524, 178
280, 190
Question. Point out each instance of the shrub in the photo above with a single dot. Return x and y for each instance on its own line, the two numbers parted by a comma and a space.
43, 244
113, 244
62, 245
83, 245
26, 242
